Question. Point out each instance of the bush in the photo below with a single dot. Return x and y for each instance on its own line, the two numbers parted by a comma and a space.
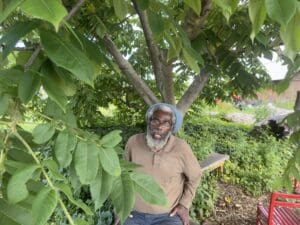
254, 160
205, 198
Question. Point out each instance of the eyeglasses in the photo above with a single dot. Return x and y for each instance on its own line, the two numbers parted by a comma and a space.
157, 123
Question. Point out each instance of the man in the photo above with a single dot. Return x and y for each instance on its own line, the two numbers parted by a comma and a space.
170, 161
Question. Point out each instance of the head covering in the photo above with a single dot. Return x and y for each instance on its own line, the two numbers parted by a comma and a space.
178, 115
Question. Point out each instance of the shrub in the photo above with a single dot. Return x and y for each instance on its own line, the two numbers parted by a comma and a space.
254, 160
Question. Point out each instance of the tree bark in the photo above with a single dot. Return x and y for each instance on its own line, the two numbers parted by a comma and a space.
140, 86
154, 52
193, 23
167, 68
192, 92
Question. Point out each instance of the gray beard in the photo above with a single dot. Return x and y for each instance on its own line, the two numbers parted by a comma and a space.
154, 144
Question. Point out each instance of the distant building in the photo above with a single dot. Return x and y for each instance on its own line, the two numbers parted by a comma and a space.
289, 95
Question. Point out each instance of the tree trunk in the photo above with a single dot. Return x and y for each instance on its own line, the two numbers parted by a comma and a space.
192, 92
140, 86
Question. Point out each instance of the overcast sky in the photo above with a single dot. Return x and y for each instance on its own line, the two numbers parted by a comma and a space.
275, 69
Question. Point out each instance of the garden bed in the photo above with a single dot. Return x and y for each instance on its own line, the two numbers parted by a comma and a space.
234, 207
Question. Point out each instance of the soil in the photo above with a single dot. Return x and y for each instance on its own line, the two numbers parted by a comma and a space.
234, 207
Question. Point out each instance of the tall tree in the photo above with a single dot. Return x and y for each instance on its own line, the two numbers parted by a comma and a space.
187, 43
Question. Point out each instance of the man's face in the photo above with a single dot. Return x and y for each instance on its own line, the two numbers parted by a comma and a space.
160, 125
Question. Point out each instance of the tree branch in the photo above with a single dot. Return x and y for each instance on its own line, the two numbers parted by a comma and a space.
193, 23
167, 68
73, 10
38, 48
32, 57
192, 92
50, 183
153, 50
141, 87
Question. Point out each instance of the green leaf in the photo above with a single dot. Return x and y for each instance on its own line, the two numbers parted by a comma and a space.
128, 166
67, 82
227, 7
43, 133
52, 11
281, 11
295, 137
54, 172
143, 4
12, 5
44, 205
12, 166
79, 221
28, 86
4, 103
101, 29
111, 139
93, 52
290, 35
156, 22
10, 77
16, 187
74, 180
120, 7
64, 145
293, 120
52, 85
122, 196
57, 113
257, 14
195, 5
110, 161
86, 161
101, 187
149, 190
295, 173
14, 214
69, 193
282, 85
190, 61
175, 46
15, 33
66, 55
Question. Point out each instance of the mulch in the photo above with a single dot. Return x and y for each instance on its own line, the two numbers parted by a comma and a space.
235, 207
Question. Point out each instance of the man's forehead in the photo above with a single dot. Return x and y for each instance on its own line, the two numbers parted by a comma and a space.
161, 113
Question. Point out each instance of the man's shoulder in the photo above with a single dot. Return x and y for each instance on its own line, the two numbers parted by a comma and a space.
181, 146
180, 142
136, 137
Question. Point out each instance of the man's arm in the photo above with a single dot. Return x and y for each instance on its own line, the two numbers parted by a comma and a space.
192, 173
182, 212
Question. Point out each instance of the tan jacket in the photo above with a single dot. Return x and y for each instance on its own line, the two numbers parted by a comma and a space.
174, 167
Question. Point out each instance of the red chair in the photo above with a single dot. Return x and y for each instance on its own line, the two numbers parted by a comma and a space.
280, 211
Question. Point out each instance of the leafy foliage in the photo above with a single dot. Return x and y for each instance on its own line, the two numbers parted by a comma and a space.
254, 159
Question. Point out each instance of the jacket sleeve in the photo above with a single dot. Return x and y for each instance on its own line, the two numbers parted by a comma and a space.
192, 173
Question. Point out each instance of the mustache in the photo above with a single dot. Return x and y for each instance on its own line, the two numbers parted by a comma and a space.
158, 144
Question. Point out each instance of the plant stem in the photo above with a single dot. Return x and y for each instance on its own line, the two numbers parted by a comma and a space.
45, 174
